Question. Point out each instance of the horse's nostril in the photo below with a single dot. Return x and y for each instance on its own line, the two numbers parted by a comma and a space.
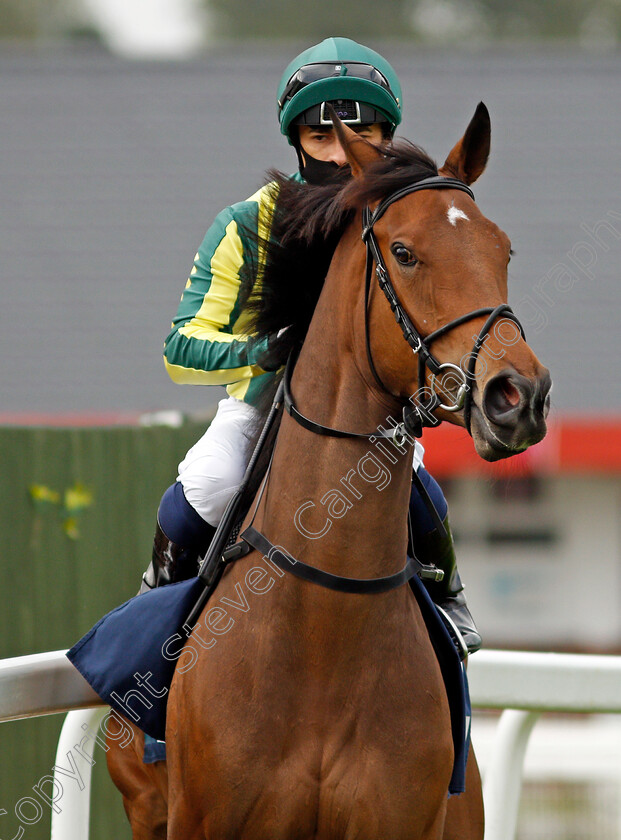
502, 398
509, 393
507, 396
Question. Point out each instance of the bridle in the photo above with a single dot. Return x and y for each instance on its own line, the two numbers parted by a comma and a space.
418, 413
415, 416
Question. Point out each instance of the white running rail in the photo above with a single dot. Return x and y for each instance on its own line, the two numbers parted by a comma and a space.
522, 684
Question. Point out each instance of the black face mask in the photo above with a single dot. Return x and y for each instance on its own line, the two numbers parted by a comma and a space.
321, 171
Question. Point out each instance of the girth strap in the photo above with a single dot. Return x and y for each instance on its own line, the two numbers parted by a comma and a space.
357, 586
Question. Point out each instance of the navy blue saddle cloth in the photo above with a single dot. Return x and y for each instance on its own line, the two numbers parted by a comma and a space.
130, 655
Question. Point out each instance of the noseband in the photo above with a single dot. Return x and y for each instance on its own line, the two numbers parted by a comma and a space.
418, 413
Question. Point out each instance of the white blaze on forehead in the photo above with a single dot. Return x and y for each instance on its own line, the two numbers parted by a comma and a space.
455, 213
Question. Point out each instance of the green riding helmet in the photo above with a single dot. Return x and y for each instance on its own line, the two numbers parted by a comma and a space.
360, 83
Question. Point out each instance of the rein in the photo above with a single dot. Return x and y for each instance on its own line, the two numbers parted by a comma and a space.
396, 434
416, 415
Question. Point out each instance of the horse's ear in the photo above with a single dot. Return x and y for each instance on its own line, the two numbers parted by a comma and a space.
468, 157
360, 153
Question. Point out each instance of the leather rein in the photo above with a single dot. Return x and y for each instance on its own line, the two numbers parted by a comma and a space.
416, 415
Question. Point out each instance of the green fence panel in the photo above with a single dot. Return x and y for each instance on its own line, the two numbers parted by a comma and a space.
77, 515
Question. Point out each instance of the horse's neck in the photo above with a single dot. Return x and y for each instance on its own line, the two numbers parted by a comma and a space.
338, 503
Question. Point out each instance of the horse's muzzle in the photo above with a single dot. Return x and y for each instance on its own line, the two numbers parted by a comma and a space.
512, 413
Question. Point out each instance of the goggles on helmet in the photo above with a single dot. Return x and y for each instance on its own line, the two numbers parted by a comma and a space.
332, 69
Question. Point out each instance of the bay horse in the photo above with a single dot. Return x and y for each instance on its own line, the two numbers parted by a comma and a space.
312, 713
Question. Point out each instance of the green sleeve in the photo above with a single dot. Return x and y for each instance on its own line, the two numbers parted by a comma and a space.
208, 343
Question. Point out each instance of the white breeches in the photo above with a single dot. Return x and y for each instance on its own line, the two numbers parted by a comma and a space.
213, 468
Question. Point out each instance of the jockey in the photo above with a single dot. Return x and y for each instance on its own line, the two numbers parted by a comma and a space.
209, 343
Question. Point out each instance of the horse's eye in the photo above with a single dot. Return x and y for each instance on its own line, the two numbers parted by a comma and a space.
403, 254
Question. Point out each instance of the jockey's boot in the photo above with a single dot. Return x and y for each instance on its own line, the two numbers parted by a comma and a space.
176, 557
448, 594
170, 562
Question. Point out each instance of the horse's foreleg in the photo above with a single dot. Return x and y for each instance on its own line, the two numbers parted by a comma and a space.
464, 815
144, 787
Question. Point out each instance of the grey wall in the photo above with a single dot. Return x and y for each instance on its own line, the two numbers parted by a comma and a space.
111, 171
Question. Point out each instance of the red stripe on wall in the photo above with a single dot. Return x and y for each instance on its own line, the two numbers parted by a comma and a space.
573, 445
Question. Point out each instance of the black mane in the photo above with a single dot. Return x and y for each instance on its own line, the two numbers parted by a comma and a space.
308, 222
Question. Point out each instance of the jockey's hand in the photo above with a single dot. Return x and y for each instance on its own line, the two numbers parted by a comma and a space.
272, 360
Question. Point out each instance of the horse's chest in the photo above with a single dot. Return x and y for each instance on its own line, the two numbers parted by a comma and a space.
354, 782
325, 749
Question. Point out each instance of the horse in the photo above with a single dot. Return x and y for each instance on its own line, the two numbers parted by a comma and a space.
316, 712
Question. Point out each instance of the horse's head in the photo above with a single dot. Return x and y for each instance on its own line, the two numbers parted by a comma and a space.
447, 266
